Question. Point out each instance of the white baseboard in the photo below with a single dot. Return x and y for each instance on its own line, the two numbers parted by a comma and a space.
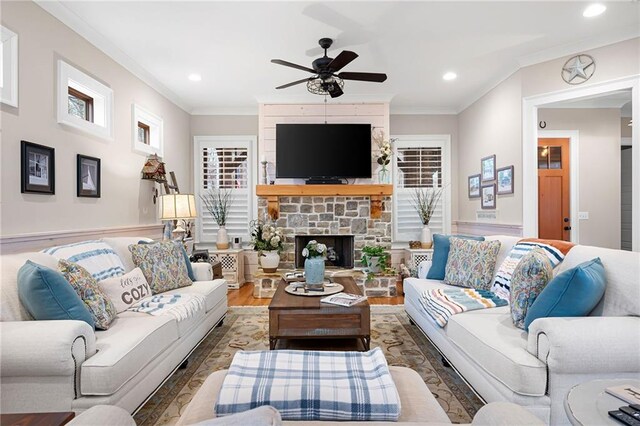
487, 228
37, 241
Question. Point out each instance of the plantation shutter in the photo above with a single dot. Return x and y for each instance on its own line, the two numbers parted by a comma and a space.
419, 164
225, 164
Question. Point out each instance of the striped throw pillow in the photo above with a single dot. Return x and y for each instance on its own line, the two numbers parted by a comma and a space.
98, 258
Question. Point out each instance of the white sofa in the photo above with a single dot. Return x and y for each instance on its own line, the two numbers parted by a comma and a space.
67, 366
537, 369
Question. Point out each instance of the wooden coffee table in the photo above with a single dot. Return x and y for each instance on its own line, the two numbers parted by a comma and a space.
305, 318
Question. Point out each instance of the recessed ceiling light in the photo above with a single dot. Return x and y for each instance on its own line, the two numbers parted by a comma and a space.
195, 77
594, 10
450, 76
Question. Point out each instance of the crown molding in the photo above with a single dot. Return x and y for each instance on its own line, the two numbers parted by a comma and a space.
251, 110
77, 24
421, 111
493, 83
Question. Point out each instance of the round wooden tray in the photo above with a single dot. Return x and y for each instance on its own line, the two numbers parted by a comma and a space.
335, 288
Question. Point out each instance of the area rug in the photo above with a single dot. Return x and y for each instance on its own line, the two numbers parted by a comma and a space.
247, 328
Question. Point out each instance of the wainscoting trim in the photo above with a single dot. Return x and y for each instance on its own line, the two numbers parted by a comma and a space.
487, 228
38, 241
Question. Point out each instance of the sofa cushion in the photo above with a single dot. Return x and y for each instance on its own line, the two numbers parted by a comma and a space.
529, 279
132, 341
126, 290
573, 293
162, 264
121, 246
213, 291
499, 348
441, 246
95, 256
471, 263
98, 303
48, 296
184, 254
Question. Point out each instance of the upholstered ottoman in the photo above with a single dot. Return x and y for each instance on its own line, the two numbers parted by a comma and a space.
418, 404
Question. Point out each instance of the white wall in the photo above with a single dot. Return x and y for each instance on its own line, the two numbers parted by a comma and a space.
126, 200
599, 178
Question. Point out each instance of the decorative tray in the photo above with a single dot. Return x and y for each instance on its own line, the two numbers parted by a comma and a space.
298, 289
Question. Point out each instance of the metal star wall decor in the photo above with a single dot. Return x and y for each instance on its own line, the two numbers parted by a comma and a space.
578, 69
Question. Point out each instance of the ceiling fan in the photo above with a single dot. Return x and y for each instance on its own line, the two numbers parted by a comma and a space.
325, 80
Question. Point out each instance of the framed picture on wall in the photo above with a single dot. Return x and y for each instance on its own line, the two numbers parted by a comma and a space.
37, 168
488, 168
488, 198
88, 176
474, 186
505, 180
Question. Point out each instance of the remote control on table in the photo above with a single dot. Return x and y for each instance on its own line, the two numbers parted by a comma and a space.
630, 411
635, 406
624, 418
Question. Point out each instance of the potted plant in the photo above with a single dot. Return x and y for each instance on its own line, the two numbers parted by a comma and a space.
315, 253
267, 240
374, 258
218, 204
425, 201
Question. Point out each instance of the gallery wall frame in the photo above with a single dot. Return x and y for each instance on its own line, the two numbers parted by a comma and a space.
473, 186
37, 168
488, 168
488, 196
505, 180
89, 176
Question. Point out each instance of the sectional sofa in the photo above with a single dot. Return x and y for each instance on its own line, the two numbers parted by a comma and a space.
538, 368
67, 366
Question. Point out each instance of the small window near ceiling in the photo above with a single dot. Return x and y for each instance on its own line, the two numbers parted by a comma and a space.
8, 67
147, 135
80, 104
143, 133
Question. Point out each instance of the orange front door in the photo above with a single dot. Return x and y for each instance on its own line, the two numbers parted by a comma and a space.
554, 221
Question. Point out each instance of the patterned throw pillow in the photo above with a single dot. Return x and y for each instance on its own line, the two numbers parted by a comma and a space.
100, 306
529, 279
126, 290
554, 249
471, 263
96, 257
162, 264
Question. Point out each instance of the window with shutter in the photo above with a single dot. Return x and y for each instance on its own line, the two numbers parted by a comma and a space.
227, 163
420, 162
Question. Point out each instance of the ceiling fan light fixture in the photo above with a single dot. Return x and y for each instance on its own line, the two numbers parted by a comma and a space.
317, 86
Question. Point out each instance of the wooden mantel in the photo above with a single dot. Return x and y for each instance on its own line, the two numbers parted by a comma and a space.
374, 192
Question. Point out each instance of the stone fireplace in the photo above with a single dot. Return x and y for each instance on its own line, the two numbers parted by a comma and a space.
340, 251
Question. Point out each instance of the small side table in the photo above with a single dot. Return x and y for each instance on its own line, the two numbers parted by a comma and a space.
413, 257
232, 261
588, 404
37, 419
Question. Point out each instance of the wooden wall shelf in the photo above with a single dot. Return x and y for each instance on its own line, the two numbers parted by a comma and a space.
374, 192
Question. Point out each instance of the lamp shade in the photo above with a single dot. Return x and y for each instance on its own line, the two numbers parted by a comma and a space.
178, 206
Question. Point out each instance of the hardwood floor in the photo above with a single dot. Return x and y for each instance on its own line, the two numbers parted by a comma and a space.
244, 297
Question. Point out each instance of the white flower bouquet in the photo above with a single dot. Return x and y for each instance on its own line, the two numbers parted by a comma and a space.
266, 236
314, 249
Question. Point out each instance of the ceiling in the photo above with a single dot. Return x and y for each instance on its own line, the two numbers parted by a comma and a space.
230, 43
619, 99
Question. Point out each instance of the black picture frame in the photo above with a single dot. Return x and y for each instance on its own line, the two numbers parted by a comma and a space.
488, 196
473, 186
488, 168
37, 169
505, 180
88, 176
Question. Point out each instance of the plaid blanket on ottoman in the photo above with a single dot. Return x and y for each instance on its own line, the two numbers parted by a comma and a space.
311, 385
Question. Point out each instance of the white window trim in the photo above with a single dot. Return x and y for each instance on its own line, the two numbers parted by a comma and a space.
65, 73
442, 141
197, 170
9, 89
156, 131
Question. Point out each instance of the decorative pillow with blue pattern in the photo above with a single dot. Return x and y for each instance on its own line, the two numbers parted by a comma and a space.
97, 257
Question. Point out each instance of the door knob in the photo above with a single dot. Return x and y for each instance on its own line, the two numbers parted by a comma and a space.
567, 228
566, 219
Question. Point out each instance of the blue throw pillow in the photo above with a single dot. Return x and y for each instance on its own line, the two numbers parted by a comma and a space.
192, 277
441, 246
573, 293
47, 295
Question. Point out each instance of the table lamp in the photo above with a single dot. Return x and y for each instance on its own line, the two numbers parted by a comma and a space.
178, 207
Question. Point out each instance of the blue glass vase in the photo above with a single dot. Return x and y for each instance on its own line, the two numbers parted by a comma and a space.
314, 270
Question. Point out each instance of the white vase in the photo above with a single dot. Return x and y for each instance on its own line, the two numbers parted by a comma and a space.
269, 260
425, 237
222, 239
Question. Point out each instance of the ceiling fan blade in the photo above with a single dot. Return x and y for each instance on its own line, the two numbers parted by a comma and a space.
293, 83
363, 76
342, 59
292, 65
335, 91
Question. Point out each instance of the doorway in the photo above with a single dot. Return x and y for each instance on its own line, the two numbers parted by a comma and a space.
554, 189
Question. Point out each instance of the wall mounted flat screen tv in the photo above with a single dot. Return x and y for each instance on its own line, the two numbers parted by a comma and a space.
321, 151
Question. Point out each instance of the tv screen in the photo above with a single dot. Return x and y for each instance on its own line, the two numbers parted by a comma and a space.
323, 150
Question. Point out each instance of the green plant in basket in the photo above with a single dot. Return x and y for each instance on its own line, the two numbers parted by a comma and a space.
374, 259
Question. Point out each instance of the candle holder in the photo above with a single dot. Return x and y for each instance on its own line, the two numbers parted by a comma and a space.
264, 171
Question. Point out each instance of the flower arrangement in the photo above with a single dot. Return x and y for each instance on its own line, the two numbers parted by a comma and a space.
384, 148
425, 202
314, 249
218, 204
266, 236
